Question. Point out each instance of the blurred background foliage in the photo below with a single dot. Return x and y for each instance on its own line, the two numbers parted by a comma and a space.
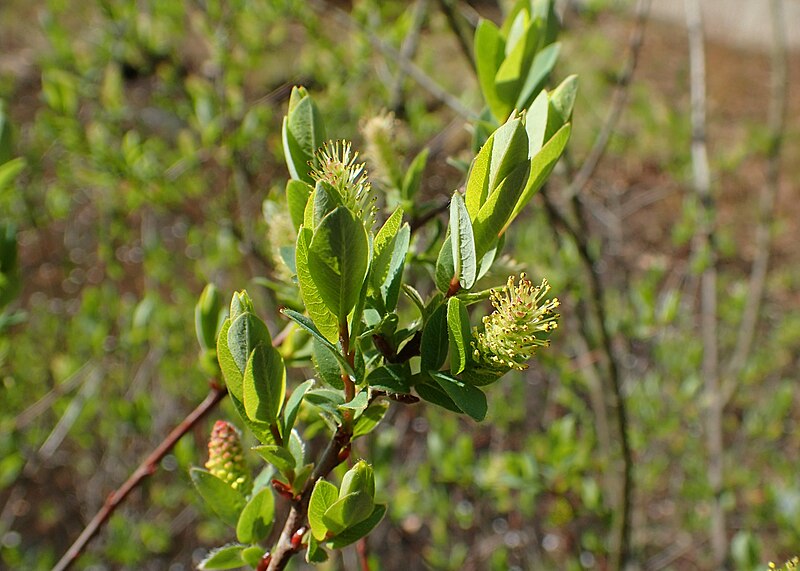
149, 138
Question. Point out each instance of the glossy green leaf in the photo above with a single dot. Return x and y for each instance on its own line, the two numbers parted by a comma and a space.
536, 122
361, 529
230, 370
489, 55
264, 384
541, 167
445, 270
297, 194
297, 448
390, 378
494, 214
309, 326
462, 243
326, 365
293, 405
347, 511
220, 497
358, 403
538, 73
302, 134
255, 521
278, 456
433, 393
253, 555
245, 333
206, 316
324, 321
370, 418
314, 552
468, 398
338, 258
323, 497
413, 177
359, 478
433, 346
225, 557
459, 335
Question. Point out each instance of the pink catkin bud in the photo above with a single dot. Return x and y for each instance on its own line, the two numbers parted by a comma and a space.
225, 457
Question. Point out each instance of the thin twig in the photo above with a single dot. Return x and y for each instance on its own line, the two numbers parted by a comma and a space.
767, 201
31, 413
618, 101
705, 248
463, 36
145, 469
414, 72
407, 51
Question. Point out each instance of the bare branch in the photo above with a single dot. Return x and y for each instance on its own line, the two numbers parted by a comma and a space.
767, 200
705, 248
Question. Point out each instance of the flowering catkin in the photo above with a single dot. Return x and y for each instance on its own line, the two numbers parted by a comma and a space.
225, 457
519, 325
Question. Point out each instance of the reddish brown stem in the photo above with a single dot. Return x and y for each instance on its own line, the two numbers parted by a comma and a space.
145, 469
363, 554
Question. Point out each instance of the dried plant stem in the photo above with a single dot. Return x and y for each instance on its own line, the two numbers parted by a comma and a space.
414, 72
705, 248
767, 200
407, 51
618, 101
145, 469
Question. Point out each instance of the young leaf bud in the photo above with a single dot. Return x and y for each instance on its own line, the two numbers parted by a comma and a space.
359, 478
207, 317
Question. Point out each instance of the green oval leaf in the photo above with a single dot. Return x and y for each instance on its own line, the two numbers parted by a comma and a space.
255, 521
338, 258
468, 398
220, 497
264, 384
324, 323
323, 497
458, 334
462, 243
225, 557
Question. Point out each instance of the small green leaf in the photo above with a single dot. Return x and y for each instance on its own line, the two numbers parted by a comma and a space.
433, 346
326, 365
314, 552
338, 258
358, 403
462, 243
458, 334
253, 555
541, 167
278, 456
297, 193
361, 529
230, 371
225, 557
245, 333
359, 478
489, 54
10, 170
324, 321
388, 263
538, 73
413, 177
297, 448
391, 378
491, 221
309, 326
255, 521
303, 133
536, 123
293, 405
347, 511
445, 271
370, 418
206, 316
468, 398
323, 497
220, 497
264, 384
434, 394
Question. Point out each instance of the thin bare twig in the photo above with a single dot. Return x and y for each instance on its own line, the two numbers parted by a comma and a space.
618, 101
705, 248
407, 51
414, 72
145, 469
31, 413
767, 200
463, 36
